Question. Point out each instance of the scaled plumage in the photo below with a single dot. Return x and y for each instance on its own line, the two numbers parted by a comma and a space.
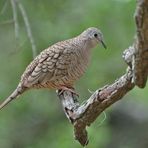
60, 65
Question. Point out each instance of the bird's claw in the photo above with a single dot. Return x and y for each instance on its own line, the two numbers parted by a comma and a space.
61, 91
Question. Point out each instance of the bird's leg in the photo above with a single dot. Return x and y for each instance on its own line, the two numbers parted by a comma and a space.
71, 89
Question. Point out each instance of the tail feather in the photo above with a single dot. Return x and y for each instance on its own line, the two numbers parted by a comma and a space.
18, 91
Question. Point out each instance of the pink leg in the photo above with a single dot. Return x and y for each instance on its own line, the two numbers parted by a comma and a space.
64, 88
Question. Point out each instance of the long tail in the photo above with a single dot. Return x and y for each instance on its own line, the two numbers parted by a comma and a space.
18, 91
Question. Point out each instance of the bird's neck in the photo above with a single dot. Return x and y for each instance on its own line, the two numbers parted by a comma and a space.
84, 49
89, 43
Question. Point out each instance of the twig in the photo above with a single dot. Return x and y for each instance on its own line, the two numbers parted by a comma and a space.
7, 22
15, 18
4, 7
136, 57
28, 28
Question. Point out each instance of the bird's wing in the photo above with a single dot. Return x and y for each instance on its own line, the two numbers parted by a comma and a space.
51, 64
35, 70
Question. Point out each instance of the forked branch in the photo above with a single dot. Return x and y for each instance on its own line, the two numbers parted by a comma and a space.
136, 57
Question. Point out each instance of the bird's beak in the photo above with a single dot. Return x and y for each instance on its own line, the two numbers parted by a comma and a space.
103, 44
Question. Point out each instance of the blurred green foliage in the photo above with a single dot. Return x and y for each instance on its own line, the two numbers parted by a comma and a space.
36, 119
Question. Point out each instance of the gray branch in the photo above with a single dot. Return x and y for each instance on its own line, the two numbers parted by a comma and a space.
15, 19
4, 7
28, 28
136, 57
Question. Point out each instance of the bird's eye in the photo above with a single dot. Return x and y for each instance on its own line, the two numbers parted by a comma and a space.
95, 35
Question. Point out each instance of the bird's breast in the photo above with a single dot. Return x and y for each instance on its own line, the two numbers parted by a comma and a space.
79, 64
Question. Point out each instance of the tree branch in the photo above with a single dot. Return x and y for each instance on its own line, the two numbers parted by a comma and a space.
136, 57
4, 7
140, 60
84, 115
11, 21
15, 19
28, 28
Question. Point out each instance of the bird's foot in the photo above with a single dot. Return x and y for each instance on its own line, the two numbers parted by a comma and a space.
63, 88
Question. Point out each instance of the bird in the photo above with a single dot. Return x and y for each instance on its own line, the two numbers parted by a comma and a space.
60, 65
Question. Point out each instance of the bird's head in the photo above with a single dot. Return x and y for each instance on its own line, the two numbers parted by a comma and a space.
93, 36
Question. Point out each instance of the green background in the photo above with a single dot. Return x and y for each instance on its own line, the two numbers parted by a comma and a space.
36, 119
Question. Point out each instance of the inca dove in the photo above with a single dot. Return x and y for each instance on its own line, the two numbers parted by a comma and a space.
60, 65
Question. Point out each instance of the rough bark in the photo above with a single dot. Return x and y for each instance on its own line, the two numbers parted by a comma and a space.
136, 56
140, 59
